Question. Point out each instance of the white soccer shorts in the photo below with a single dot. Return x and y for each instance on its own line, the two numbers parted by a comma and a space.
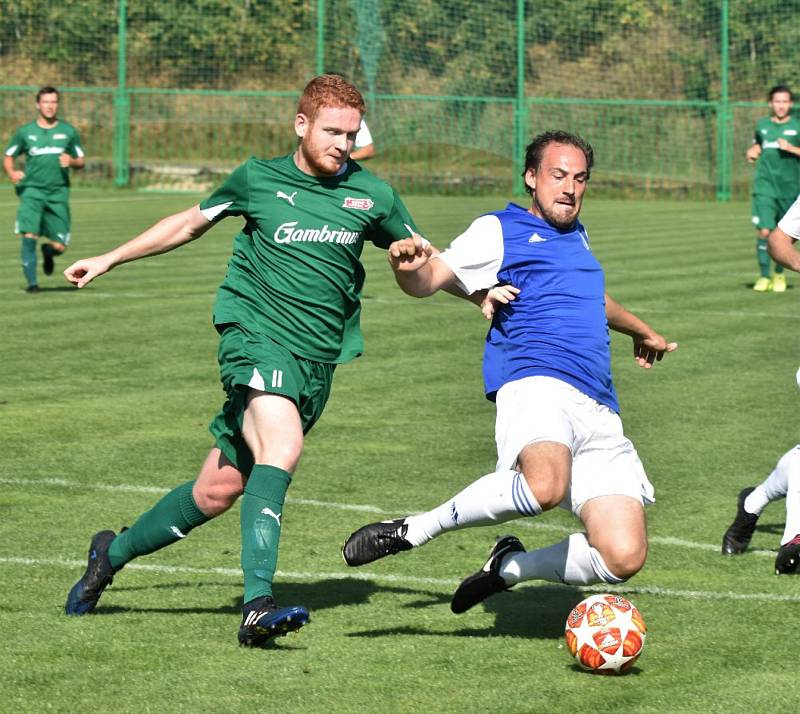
604, 461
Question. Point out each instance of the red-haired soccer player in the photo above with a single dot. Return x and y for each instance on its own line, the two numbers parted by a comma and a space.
287, 314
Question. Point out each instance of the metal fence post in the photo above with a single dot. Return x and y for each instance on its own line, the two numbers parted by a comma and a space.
724, 158
520, 108
122, 104
320, 37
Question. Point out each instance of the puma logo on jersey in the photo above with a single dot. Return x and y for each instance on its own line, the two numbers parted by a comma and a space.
536, 238
267, 511
286, 196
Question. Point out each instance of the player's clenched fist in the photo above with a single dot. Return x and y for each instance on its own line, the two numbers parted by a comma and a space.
410, 254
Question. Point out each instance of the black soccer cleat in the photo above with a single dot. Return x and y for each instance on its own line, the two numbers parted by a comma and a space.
487, 581
788, 560
376, 540
48, 264
83, 597
33, 289
262, 620
737, 537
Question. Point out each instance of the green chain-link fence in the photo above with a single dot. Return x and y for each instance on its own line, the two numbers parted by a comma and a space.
171, 95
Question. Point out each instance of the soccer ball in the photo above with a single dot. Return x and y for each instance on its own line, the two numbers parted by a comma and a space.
605, 634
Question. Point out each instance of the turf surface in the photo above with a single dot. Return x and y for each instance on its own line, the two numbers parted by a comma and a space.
104, 402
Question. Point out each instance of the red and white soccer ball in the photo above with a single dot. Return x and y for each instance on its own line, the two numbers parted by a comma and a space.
605, 634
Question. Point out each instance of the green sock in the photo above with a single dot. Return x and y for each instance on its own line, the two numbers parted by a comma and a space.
169, 520
261, 512
763, 257
29, 259
778, 268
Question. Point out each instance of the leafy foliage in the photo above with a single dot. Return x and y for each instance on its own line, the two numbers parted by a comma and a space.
599, 48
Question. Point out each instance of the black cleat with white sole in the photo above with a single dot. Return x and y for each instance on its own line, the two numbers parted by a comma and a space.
376, 540
487, 581
262, 620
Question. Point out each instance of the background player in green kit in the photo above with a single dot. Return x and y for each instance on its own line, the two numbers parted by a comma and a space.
287, 313
51, 147
776, 151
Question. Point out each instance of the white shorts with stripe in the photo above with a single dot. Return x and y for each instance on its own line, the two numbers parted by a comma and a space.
604, 461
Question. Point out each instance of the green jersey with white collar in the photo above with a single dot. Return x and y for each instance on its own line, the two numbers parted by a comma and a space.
41, 148
777, 171
295, 273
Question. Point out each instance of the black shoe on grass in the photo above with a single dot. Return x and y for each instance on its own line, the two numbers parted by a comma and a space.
262, 620
487, 581
31, 289
376, 540
788, 559
83, 597
737, 537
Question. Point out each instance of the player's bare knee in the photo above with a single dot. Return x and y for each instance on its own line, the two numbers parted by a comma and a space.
625, 559
285, 455
549, 492
215, 499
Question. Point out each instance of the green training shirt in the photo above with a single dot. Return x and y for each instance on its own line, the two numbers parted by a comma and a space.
777, 172
295, 273
41, 148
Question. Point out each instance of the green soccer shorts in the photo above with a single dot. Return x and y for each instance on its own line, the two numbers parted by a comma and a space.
44, 213
768, 210
251, 360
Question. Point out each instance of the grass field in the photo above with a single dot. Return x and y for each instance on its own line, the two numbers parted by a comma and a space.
104, 402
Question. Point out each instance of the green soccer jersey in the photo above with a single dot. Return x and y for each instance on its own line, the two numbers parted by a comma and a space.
295, 273
41, 148
777, 172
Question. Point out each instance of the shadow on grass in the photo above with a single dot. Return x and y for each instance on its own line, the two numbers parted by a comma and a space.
58, 289
777, 528
317, 595
535, 613
634, 671
532, 612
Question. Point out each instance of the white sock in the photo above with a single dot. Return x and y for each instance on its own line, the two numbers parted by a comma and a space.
790, 463
572, 561
495, 498
775, 486
758, 499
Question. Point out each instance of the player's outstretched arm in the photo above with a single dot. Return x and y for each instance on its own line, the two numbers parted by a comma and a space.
415, 272
167, 234
781, 247
648, 346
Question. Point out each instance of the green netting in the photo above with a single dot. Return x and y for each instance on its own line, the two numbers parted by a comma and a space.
172, 95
